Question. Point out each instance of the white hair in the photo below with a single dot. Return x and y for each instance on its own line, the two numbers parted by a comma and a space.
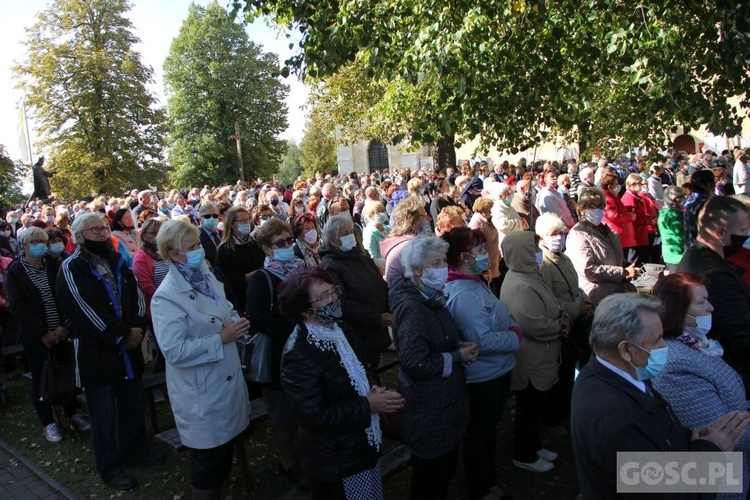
415, 252
79, 224
334, 226
548, 222
617, 319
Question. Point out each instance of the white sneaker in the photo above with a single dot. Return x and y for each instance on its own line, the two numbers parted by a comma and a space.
549, 456
541, 465
52, 433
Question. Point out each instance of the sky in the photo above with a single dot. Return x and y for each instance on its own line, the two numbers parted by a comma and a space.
156, 23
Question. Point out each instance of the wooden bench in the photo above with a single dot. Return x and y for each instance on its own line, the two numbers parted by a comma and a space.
149, 383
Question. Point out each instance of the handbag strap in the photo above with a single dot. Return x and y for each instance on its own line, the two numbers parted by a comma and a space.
570, 289
270, 286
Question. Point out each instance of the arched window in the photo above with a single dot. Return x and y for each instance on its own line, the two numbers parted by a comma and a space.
377, 156
685, 143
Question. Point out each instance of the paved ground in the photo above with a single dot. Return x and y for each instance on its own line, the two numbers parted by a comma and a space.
22, 480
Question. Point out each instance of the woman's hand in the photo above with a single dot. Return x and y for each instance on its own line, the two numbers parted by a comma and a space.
726, 431
385, 402
49, 339
61, 332
631, 271
234, 330
385, 319
585, 309
469, 352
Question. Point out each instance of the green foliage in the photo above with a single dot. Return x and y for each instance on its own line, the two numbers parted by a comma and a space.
513, 74
290, 168
86, 88
215, 76
11, 175
317, 149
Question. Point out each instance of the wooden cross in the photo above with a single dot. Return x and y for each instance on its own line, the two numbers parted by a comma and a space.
238, 138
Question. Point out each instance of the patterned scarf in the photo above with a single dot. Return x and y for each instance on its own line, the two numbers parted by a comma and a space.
333, 339
283, 269
434, 297
198, 280
708, 347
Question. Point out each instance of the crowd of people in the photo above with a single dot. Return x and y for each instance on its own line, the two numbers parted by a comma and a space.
491, 282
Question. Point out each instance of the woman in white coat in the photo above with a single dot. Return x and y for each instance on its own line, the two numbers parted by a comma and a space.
196, 328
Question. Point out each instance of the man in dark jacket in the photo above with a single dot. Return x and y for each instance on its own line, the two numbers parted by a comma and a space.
723, 227
105, 309
614, 407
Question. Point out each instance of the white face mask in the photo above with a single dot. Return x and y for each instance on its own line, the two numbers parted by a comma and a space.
348, 242
703, 326
311, 236
594, 215
555, 243
435, 277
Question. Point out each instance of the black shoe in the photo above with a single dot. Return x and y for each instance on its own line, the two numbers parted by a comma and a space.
149, 459
122, 482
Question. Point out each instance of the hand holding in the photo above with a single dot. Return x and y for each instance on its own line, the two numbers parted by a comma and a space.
234, 330
61, 332
49, 339
385, 402
726, 431
469, 352
134, 339
386, 319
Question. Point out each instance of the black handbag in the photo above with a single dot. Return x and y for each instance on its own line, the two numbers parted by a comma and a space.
58, 378
258, 354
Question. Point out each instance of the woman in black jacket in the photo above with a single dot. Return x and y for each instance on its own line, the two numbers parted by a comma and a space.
336, 403
31, 294
262, 309
364, 293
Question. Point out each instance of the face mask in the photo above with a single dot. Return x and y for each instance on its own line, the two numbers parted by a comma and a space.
539, 257
480, 265
616, 190
5, 233
96, 247
38, 250
283, 254
274, 202
49, 219
165, 211
13, 220
555, 243
329, 313
56, 248
195, 258
311, 236
703, 326
657, 360
381, 218
435, 277
594, 215
244, 229
426, 228
299, 210
746, 245
171, 206
735, 245
210, 224
115, 208
507, 201
348, 242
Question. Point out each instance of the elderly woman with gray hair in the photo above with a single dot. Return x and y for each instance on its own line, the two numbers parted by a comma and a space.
431, 377
197, 328
364, 293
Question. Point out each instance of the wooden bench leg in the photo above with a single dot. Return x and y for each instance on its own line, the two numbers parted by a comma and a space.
239, 447
152, 410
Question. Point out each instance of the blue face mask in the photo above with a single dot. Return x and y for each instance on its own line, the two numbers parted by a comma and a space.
539, 256
243, 229
657, 360
56, 248
481, 263
195, 258
210, 224
38, 250
283, 254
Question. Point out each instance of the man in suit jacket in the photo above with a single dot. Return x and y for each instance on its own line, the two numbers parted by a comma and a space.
210, 235
614, 407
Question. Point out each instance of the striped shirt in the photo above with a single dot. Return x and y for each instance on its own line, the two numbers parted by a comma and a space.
161, 268
40, 279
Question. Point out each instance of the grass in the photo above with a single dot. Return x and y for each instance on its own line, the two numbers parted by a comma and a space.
70, 462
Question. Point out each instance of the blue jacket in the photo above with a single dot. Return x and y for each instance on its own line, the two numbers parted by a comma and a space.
485, 321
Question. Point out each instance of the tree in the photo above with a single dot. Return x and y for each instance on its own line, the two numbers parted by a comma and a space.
215, 78
291, 167
86, 89
515, 73
11, 175
317, 149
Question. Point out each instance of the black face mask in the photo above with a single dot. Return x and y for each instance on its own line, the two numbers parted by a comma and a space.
735, 244
96, 247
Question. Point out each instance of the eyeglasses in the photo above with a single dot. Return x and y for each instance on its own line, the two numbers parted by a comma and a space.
98, 231
210, 216
334, 294
284, 242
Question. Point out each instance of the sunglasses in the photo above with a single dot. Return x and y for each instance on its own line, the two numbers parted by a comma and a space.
210, 216
284, 242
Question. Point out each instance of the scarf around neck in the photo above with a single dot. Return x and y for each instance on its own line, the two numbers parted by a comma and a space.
197, 278
283, 269
433, 297
333, 339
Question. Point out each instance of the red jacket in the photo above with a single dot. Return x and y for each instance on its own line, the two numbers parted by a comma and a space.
617, 217
633, 202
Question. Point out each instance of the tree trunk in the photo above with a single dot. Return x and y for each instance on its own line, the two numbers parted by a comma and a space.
583, 132
444, 154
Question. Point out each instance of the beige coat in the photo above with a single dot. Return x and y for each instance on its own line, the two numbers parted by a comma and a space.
536, 310
506, 220
598, 260
478, 221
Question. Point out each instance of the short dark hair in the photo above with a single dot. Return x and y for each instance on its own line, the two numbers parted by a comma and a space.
54, 233
294, 292
460, 240
298, 223
674, 292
